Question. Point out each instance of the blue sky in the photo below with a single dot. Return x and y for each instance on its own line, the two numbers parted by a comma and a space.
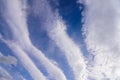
59, 40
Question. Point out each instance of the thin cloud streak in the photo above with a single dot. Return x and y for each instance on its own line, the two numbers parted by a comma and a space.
16, 19
8, 60
55, 30
52, 69
17, 24
4, 75
71, 50
26, 61
102, 32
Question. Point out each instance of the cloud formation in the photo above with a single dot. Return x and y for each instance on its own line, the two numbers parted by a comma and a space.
4, 75
102, 32
7, 59
55, 29
71, 51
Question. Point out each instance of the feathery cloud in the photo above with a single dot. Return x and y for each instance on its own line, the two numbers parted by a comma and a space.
4, 75
26, 61
102, 32
56, 32
71, 50
7, 59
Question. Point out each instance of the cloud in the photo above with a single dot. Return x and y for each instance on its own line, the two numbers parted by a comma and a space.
17, 22
52, 69
7, 59
4, 75
102, 33
16, 18
26, 61
21, 43
71, 50
55, 29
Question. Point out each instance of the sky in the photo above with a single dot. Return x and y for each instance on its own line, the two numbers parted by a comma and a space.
59, 40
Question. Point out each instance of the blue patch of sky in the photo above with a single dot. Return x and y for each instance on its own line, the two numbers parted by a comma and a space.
71, 14
4, 49
4, 29
38, 36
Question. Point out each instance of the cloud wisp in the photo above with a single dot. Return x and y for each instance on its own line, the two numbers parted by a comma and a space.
26, 61
4, 75
102, 32
55, 29
52, 69
8, 60
71, 50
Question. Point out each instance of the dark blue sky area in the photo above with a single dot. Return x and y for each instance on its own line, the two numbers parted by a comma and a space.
71, 13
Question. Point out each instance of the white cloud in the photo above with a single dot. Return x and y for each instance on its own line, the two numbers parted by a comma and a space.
4, 75
102, 33
16, 18
71, 50
26, 61
7, 59
52, 69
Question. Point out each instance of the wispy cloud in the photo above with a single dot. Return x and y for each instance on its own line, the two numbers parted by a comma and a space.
4, 75
21, 41
18, 22
15, 17
26, 61
71, 50
52, 69
7, 59
102, 33
55, 28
